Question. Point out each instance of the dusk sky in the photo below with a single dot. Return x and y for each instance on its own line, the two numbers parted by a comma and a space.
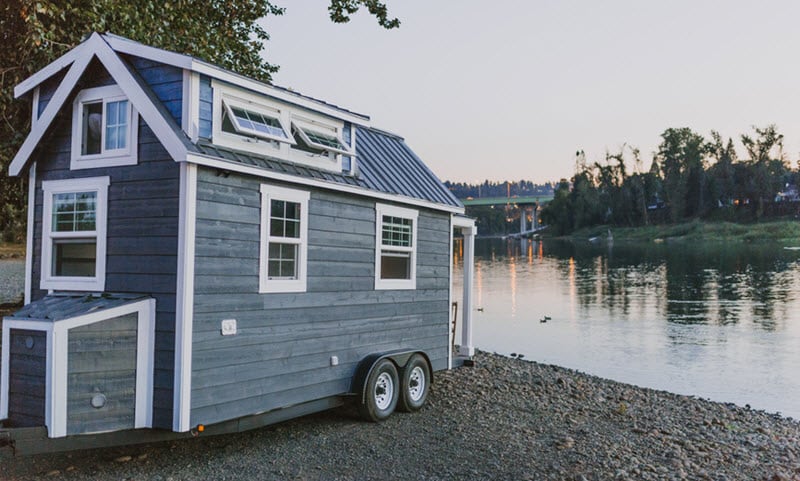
511, 89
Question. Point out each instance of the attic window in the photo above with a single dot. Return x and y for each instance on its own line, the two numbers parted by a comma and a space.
104, 132
318, 140
242, 119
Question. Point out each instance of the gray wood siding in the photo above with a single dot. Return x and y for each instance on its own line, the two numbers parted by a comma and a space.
27, 378
142, 238
281, 353
102, 360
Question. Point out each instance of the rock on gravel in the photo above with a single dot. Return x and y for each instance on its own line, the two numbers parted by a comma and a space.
503, 419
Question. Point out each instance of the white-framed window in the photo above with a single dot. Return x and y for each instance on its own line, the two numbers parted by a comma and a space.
396, 247
104, 129
253, 120
317, 138
284, 239
74, 227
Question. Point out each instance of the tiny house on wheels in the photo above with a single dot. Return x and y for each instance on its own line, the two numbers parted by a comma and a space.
208, 254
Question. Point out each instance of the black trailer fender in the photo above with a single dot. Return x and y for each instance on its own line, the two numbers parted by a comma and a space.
399, 358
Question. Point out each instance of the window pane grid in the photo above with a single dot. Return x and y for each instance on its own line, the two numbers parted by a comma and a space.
284, 219
396, 231
73, 212
116, 125
282, 263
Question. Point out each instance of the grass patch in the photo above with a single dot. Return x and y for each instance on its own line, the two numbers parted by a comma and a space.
781, 231
12, 251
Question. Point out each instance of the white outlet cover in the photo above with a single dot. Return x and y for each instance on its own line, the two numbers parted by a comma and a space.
228, 327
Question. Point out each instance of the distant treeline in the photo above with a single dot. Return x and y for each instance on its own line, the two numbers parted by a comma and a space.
690, 177
505, 188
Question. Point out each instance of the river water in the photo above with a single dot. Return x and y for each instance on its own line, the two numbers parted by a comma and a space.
719, 321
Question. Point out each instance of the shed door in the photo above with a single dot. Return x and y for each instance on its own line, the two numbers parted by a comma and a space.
27, 377
101, 390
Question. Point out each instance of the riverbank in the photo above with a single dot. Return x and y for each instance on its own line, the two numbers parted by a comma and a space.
502, 419
781, 231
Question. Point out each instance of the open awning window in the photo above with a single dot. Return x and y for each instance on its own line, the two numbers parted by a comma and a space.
319, 140
243, 119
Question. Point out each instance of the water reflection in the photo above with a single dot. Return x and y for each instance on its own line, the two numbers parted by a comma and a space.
715, 320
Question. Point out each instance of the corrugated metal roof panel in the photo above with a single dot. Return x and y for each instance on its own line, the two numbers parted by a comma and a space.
388, 165
58, 307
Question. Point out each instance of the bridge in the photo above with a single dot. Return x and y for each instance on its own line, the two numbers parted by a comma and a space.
515, 200
528, 207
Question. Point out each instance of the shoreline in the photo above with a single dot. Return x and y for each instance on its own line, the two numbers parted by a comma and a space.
12, 251
504, 418
784, 231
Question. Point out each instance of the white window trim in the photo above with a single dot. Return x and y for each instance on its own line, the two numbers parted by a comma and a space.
111, 158
51, 187
380, 211
57, 334
266, 285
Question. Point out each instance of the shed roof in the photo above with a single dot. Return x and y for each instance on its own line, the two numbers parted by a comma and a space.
57, 307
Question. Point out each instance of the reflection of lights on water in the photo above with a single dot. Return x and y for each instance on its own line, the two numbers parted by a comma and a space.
530, 252
573, 291
541, 250
512, 265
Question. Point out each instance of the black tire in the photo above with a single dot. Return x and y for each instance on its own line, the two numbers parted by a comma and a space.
415, 382
381, 391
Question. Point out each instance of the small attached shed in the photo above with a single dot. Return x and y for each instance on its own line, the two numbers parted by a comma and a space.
204, 248
79, 364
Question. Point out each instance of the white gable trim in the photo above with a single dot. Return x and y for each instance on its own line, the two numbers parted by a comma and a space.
129, 85
51, 69
55, 104
350, 189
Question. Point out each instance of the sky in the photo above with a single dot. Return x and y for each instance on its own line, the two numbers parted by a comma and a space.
508, 89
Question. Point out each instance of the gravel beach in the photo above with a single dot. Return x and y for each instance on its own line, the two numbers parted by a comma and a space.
503, 419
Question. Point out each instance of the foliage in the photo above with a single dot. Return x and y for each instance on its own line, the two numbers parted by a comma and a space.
34, 33
690, 178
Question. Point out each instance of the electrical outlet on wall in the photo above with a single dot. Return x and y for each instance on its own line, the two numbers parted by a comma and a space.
228, 327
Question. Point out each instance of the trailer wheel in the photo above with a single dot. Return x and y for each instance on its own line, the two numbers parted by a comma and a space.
382, 392
414, 384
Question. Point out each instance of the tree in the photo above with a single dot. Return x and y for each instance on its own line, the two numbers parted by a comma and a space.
767, 165
36, 32
680, 155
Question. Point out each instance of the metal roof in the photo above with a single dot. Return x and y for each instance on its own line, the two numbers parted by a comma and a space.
58, 307
387, 164
276, 165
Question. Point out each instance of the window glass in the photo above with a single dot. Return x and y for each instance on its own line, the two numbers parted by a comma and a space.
248, 121
396, 231
282, 261
116, 125
74, 212
284, 219
395, 265
92, 128
74, 258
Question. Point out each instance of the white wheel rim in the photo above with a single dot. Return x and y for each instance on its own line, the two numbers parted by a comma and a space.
416, 383
384, 391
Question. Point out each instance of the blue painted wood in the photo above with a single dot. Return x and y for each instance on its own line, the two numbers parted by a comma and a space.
166, 82
27, 377
142, 224
281, 353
